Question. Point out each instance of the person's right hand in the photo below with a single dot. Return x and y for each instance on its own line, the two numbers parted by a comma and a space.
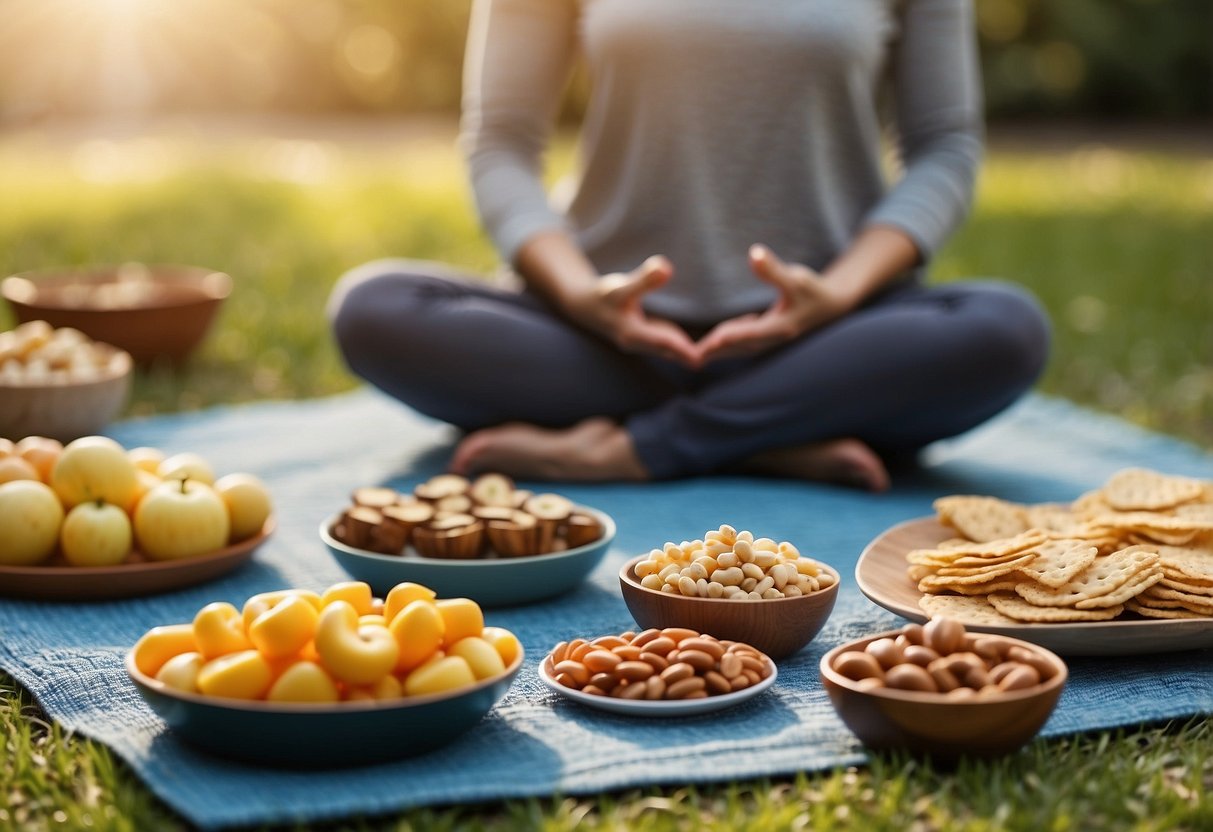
611, 308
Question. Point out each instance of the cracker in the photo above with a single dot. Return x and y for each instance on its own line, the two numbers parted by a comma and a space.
940, 580
1005, 583
1193, 563
982, 519
1001, 567
1055, 519
1140, 488
1015, 607
1103, 576
1169, 594
1138, 584
966, 609
1154, 612
1059, 561
1190, 586
1147, 599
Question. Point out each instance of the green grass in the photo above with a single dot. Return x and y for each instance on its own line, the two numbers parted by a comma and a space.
1116, 244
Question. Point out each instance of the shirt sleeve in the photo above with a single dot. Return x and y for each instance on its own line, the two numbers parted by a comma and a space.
519, 56
938, 110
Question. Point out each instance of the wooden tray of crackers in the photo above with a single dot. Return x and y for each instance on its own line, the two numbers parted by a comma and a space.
1123, 570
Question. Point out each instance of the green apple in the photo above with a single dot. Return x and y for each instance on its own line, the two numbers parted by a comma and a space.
248, 504
93, 468
186, 466
30, 517
181, 519
95, 534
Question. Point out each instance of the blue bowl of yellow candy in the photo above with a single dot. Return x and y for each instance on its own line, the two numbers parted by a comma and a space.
490, 582
304, 735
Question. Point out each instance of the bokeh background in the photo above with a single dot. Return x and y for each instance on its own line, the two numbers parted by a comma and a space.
284, 141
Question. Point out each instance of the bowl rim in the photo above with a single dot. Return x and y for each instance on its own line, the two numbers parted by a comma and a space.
128, 364
827, 671
626, 578
261, 706
213, 289
608, 535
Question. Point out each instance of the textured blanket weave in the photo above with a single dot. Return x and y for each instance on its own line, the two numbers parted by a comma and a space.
313, 453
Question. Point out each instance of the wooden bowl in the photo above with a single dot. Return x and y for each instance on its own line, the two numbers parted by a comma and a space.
930, 725
152, 312
778, 627
65, 411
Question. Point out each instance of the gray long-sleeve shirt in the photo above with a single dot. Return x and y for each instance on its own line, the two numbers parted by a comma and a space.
716, 124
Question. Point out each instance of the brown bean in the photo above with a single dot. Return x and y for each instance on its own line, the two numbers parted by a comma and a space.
654, 660
945, 635
962, 663
583, 650
573, 645
628, 652
990, 649
567, 680
661, 645
854, 665
560, 651
697, 659
677, 672
716, 683
742, 649
703, 645
870, 683
753, 675
961, 694
739, 682
1022, 676
910, 677
593, 690
606, 681
607, 642
730, 665
945, 680
633, 671
635, 691
903, 641
683, 687
679, 633
757, 665
549, 666
1000, 671
1023, 654
575, 669
644, 637
600, 661
697, 694
920, 654
914, 634
654, 688
628, 635
885, 651
976, 677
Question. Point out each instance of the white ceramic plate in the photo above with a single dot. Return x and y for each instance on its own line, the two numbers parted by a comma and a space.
881, 575
660, 708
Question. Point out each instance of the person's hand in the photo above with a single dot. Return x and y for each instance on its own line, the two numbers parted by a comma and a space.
612, 309
805, 302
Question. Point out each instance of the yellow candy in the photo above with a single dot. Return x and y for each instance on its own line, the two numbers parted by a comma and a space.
462, 617
263, 601
181, 671
355, 655
377, 606
355, 593
482, 657
243, 675
404, 594
418, 630
372, 619
160, 644
219, 630
506, 643
450, 673
304, 682
285, 628
388, 687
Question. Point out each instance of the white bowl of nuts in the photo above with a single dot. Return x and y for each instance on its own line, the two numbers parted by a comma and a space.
940, 691
59, 383
734, 586
482, 539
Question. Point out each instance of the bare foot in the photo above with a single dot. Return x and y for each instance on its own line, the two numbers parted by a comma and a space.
840, 461
593, 450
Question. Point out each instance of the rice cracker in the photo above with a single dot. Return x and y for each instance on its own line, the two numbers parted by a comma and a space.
1013, 606
966, 609
1139, 488
982, 519
1103, 576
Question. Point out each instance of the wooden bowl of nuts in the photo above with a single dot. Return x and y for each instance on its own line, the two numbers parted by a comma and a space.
733, 586
151, 311
942, 692
482, 539
59, 383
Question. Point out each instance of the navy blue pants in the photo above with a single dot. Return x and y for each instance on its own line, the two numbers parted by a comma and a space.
913, 365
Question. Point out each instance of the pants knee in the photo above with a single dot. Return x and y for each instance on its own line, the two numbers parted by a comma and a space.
1018, 333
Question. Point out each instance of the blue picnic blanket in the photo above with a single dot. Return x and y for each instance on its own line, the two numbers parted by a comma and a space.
313, 453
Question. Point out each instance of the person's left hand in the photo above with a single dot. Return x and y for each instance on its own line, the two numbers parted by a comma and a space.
805, 302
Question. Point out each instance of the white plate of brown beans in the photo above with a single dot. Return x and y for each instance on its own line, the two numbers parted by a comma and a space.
670, 672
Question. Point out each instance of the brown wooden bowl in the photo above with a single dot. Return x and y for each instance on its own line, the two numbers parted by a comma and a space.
152, 311
943, 729
778, 627
66, 411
